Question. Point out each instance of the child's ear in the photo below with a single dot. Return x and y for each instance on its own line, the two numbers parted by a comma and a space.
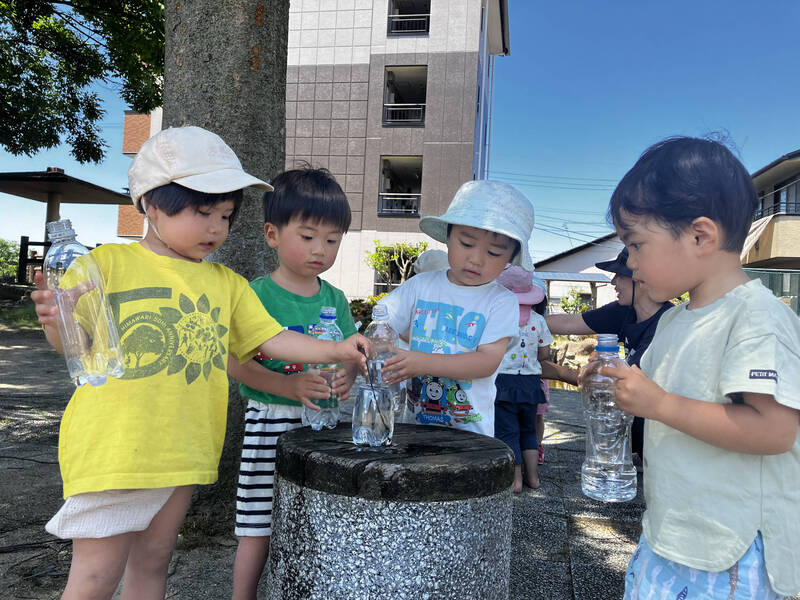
706, 233
271, 234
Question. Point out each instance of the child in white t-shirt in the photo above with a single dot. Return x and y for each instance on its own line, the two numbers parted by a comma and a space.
460, 319
519, 389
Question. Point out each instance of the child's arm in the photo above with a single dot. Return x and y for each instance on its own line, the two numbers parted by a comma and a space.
758, 425
301, 387
295, 347
468, 365
551, 370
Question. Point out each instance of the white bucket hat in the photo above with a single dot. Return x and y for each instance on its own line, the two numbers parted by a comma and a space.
192, 157
491, 205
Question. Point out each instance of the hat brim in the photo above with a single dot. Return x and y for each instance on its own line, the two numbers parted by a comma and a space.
613, 266
222, 181
215, 182
532, 296
436, 227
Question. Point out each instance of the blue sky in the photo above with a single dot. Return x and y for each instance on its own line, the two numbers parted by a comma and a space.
587, 88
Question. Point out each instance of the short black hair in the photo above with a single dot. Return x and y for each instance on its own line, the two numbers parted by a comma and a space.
308, 194
517, 245
172, 198
679, 179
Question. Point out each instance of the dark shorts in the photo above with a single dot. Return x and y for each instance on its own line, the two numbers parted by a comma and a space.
515, 407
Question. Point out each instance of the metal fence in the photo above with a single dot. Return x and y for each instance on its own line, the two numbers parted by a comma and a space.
408, 24
403, 114
390, 204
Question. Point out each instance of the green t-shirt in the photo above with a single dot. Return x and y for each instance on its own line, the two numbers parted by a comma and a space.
297, 313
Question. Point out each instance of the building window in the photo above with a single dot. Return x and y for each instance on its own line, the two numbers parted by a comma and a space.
404, 96
400, 186
409, 17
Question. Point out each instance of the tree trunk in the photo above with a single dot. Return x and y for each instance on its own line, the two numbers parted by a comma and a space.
225, 71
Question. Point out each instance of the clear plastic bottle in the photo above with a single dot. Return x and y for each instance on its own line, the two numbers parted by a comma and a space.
89, 337
373, 411
328, 413
607, 473
384, 341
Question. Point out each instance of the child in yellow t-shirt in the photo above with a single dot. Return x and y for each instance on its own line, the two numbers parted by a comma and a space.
132, 450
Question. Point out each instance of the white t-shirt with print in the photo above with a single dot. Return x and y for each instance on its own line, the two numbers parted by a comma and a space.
522, 357
444, 318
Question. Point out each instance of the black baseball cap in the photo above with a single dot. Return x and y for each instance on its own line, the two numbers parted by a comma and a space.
618, 265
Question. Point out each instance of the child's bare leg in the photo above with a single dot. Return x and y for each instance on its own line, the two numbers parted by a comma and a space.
251, 556
517, 479
148, 560
97, 566
531, 460
540, 428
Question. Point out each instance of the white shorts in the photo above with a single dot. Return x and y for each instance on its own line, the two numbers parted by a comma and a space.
263, 424
107, 513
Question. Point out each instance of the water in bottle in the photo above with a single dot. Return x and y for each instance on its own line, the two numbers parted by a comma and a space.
328, 413
89, 337
607, 473
373, 411
384, 345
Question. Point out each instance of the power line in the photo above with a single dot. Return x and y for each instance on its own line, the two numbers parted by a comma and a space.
531, 175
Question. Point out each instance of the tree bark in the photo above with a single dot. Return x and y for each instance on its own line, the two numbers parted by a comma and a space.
225, 71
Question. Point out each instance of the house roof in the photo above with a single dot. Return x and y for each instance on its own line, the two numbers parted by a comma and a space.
561, 255
556, 276
776, 162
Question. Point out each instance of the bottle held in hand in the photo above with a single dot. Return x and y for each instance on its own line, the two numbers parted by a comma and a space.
328, 413
384, 345
89, 337
608, 473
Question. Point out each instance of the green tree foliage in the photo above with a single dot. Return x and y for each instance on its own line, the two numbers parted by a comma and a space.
394, 262
572, 303
52, 52
9, 258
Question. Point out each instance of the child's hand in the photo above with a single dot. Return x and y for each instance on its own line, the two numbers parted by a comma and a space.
342, 382
305, 386
404, 365
44, 300
355, 349
636, 393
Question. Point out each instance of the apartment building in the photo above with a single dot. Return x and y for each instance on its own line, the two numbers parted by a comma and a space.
394, 98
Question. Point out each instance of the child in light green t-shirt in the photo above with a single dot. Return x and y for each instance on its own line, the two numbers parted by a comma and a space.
305, 219
717, 386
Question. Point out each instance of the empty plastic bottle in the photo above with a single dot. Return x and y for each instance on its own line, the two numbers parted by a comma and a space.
328, 413
89, 337
607, 473
384, 345
373, 414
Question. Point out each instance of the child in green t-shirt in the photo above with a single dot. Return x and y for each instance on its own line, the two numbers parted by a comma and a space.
305, 219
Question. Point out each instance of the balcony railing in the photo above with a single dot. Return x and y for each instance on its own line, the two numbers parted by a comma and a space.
408, 24
788, 208
398, 205
403, 114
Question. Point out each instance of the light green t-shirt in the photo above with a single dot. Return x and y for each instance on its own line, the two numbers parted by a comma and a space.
705, 505
297, 313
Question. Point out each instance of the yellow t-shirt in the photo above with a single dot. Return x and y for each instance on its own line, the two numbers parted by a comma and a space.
163, 423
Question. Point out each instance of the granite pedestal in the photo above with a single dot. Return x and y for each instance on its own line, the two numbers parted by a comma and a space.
428, 518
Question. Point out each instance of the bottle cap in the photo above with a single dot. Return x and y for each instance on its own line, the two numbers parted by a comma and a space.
380, 312
60, 229
327, 312
607, 342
